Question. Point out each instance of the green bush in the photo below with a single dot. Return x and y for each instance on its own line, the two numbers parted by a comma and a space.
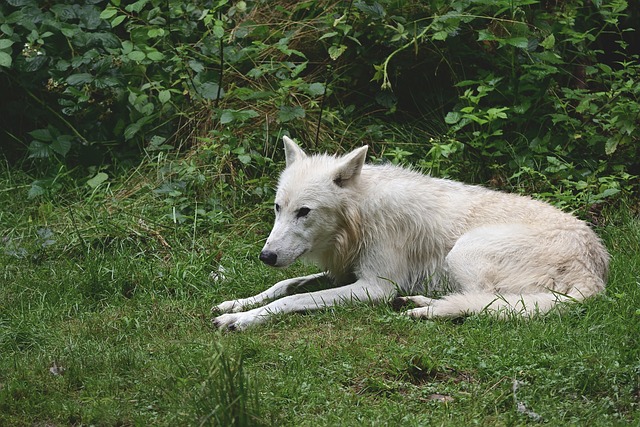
538, 96
538, 102
104, 81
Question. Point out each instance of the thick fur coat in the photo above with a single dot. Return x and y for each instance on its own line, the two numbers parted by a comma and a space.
383, 231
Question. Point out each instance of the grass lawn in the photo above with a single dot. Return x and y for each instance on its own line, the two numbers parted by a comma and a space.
104, 320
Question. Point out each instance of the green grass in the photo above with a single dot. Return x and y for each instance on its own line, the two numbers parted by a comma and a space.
104, 320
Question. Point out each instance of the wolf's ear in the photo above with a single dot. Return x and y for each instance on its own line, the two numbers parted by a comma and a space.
292, 152
350, 166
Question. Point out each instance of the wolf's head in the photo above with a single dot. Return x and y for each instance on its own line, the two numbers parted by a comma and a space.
314, 207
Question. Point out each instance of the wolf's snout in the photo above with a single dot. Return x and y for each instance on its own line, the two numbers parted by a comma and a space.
269, 257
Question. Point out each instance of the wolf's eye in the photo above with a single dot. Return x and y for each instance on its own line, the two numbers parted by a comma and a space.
303, 212
277, 207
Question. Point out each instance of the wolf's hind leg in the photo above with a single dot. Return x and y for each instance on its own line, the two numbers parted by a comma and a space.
515, 269
451, 306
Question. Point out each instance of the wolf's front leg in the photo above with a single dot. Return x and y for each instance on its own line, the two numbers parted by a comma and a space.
284, 287
361, 290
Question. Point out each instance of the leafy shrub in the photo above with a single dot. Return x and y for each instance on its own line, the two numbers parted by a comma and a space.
108, 79
518, 93
102, 83
538, 102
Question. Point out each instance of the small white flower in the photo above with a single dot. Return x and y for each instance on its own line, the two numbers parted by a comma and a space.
218, 276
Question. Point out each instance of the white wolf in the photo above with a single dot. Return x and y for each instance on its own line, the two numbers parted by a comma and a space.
380, 231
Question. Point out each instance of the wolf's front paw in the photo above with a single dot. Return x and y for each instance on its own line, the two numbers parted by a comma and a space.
232, 306
225, 321
238, 321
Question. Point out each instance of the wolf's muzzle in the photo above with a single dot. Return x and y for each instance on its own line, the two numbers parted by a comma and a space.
269, 257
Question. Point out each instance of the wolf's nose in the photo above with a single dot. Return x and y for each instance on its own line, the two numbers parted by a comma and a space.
268, 257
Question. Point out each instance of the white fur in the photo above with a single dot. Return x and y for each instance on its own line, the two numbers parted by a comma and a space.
380, 231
